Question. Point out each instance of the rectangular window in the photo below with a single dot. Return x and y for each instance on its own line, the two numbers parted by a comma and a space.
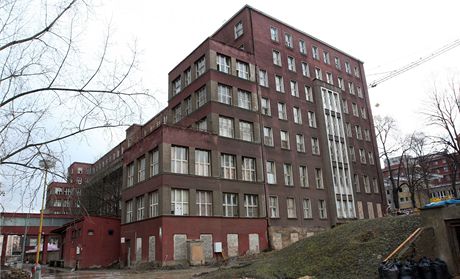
302, 47
251, 206
187, 77
202, 125
188, 105
354, 109
303, 172
202, 162
351, 149
356, 70
345, 106
200, 66
356, 183
273, 207
288, 180
224, 94
246, 131
153, 204
279, 84
282, 111
179, 202
319, 178
238, 29
242, 70
140, 208
177, 113
351, 88
228, 166
141, 169
248, 169
230, 205
359, 91
329, 78
285, 140
204, 203
337, 63
300, 142
363, 113
288, 40
308, 93
223, 63
179, 159
362, 156
315, 146
315, 52
276, 58
358, 132
367, 186
291, 63
348, 129
297, 115
326, 58
244, 99
176, 84
263, 78
322, 209
305, 69
130, 181
291, 210
347, 67
226, 128
371, 158
271, 172
311, 119
318, 74
294, 88
265, 104
268, 136
201, 97
129, 211
307, 209
341, 83
274, 34
375, 185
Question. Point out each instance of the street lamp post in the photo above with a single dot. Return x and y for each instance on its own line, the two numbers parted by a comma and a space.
45, 165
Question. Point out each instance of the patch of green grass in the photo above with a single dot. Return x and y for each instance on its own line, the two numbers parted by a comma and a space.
352, 250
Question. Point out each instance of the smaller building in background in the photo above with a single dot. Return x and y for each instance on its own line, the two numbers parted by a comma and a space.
63, 197
90, 242
431, 178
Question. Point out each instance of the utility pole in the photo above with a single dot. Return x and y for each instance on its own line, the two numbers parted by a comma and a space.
45, 165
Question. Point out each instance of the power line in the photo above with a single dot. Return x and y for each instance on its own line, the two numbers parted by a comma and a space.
422, 60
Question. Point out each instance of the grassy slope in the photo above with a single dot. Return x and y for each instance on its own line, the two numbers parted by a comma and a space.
352, 250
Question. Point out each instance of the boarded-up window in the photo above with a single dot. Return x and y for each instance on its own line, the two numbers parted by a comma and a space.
232, 244
180, 247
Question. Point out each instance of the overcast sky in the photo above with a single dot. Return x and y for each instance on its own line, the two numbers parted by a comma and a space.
385, 35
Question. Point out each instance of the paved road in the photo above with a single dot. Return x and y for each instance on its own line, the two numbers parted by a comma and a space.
59, 273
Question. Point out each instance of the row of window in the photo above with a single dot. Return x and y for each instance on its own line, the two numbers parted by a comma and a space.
285, 141
279, 81
186, 107
289, 42
186, 78
67, 191
63, 203
180, 203
138, 209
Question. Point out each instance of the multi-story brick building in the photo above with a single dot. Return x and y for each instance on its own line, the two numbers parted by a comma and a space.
435, 175
62, 197
267, 138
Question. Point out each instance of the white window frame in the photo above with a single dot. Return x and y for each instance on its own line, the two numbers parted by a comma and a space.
228, 166
230, 204
179, 159
226, 127
307, 213
287, 173
179, 202
202, 162
274, 207
248, 169
251, 205
271, 172
291, 208
204, 203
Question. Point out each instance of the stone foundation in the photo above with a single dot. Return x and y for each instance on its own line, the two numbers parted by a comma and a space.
281, 237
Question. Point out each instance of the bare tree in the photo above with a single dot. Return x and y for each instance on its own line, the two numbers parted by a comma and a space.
390, 147
443, 112
416, 167
50, 91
